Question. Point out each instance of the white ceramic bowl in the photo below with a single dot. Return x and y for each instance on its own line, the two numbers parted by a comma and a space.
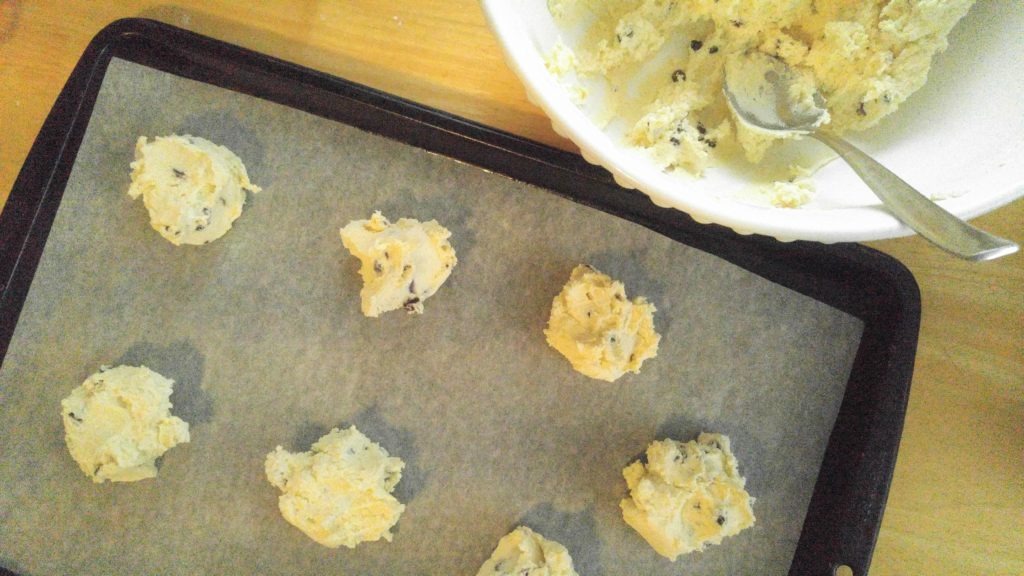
959, 139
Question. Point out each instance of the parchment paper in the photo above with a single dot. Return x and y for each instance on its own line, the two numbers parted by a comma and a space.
262, 333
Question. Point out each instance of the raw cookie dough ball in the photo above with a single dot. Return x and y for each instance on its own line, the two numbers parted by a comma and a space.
118, 422
403, 263
601, 332
192, 188
338, 493
687, 496
524, 551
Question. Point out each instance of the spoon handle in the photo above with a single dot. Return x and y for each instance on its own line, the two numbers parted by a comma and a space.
915, 210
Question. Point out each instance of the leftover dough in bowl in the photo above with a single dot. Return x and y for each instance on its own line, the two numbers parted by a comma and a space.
638, 92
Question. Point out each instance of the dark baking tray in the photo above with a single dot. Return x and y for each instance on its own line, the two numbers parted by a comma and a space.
845, 511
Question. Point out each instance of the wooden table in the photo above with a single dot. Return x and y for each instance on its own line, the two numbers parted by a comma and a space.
957, 500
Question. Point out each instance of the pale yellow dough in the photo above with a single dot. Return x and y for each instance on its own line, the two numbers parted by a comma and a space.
118, 422
598, 329
402, 263
193, 189
866, 58
524, 552
338, 493
687, 495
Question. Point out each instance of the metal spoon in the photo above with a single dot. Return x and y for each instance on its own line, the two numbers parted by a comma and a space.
769, 106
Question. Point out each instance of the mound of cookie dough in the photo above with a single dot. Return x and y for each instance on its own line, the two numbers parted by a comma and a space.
598, 329
193, 189
402, 263
338, 493
525, 552
118, 422
687, 495
865, 58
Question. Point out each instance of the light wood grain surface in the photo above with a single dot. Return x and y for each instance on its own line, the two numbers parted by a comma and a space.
957, 500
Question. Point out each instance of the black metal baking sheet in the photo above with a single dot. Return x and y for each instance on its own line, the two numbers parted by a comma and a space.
845, 511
